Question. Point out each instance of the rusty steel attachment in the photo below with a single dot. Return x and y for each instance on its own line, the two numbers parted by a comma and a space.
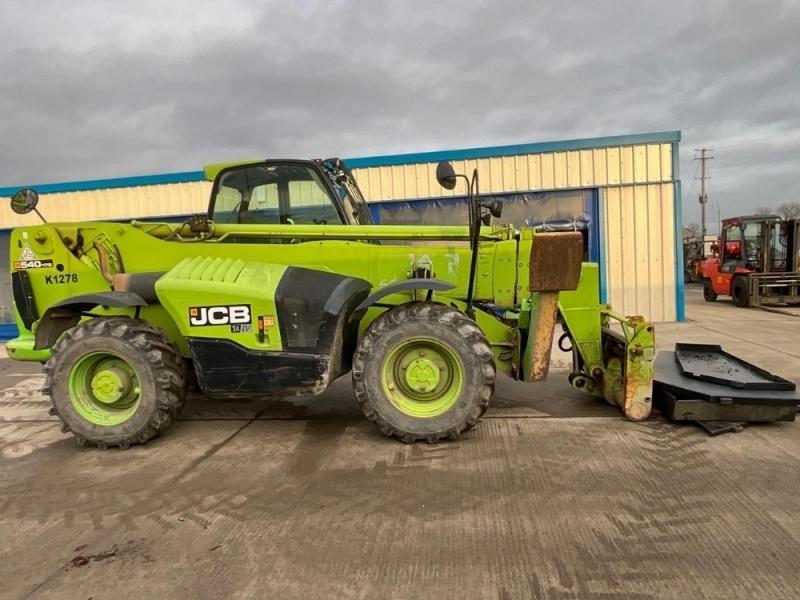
555, 267
627, 380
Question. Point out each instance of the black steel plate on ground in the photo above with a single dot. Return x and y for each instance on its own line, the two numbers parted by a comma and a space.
683, 398
709, 362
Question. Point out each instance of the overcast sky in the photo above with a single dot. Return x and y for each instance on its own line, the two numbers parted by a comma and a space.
92, 89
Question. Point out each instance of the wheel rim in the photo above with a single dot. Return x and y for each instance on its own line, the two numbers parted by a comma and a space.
422, 377
104, 389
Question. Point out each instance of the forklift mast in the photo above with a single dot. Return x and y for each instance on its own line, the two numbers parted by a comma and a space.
791, 233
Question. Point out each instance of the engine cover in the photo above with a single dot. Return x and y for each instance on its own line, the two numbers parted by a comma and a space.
257, 328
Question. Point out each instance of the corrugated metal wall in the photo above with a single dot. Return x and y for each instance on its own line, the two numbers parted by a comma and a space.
637, 207
639, 250
647, 163
115, 203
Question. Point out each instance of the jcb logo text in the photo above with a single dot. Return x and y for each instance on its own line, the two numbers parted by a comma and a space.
231, 314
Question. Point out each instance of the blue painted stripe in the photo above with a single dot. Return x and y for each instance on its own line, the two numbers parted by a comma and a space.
676, 159
515, 149
99, 184
680, 297
680, 300
601, 231
8, 331
590, 205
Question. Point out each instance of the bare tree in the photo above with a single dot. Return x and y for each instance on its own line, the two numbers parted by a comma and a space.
790, 210
692, 230
764, 211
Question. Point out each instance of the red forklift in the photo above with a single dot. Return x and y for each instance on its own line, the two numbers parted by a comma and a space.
757, 262
693, 257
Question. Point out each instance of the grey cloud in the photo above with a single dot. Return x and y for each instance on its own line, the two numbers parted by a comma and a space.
94, 89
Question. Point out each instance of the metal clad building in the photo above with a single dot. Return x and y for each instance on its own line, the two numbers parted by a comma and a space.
631, 182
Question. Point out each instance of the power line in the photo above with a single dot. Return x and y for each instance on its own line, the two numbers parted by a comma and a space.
703, 157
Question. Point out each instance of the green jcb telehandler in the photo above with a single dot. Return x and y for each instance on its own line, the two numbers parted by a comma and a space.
285, 285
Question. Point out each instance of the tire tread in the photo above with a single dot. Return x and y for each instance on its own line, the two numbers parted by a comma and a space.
168, 367
451, 318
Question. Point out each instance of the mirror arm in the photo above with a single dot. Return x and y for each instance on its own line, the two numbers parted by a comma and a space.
475, 231
36, 210
447, 178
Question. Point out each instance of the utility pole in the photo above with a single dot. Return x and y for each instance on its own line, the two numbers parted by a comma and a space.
703, 157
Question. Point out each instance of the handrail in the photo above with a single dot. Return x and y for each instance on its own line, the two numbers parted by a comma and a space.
220, 232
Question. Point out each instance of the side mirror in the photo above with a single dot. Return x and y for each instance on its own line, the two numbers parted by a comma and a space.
24, 201
494, 208
446, 175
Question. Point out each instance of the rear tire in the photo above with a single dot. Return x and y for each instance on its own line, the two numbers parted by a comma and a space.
709, 295
423, 371
115, 381
740, 292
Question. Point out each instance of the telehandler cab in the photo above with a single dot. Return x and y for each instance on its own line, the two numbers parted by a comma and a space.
286, 284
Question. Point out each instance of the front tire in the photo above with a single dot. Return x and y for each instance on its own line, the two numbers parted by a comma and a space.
423, 371
709, 295
740, 292
115, 381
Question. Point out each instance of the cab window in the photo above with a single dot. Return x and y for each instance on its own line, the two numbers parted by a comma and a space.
273, 194
227, 204
309, 203
733, 243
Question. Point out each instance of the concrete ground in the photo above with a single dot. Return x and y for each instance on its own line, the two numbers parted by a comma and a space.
554, 495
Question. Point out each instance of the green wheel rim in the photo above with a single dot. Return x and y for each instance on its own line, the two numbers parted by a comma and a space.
104, 389
422, 377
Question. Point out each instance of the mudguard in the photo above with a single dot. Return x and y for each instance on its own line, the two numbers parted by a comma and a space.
66, 313
436, 285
